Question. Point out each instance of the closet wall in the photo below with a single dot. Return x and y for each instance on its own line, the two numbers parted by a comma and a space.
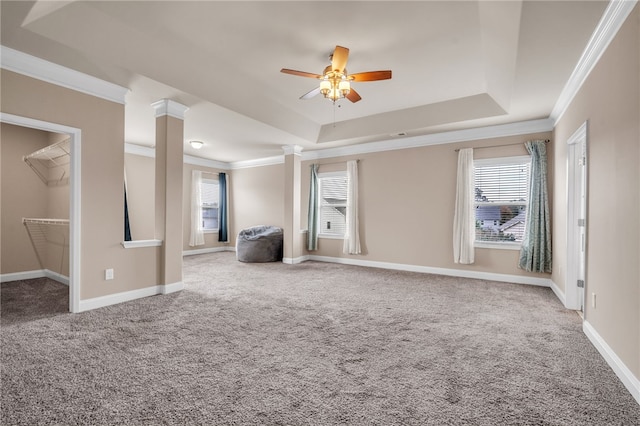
24, 194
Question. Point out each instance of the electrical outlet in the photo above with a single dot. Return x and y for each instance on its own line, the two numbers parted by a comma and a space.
593, 300
108, 274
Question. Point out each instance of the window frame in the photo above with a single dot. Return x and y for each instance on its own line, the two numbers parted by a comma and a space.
321, 176
502, 161
209, 181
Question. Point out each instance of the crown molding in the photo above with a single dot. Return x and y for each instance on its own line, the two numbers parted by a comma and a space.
31, 66
171, 108
612, 19
205, 162
292, 149
259, 162
511, 129
148, 151
143, 151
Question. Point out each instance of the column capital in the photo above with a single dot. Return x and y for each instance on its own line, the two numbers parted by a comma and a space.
292, 149
169, 107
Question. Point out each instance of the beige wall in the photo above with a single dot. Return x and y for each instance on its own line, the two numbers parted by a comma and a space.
141, 195
406, 206
24, 194
257, 197
102, 186
610, 102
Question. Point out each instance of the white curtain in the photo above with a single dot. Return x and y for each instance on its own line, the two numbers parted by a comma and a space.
352, 233
197, 233
464, 223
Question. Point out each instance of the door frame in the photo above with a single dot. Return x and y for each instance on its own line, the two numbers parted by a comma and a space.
74, 196
576, 256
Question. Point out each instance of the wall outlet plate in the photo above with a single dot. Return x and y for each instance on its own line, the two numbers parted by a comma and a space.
108, 274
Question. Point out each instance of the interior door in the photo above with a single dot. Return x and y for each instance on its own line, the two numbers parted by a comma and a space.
576, 219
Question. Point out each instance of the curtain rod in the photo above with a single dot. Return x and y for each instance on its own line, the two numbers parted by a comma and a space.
498, 146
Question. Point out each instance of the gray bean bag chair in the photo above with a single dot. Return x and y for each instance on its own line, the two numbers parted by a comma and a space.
259, 244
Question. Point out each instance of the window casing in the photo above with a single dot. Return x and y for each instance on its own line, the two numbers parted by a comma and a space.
332, 204
501, 199
209, 199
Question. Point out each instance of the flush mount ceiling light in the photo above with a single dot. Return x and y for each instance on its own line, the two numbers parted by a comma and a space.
196, 144
335, 83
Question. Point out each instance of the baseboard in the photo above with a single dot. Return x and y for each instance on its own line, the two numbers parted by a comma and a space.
207, 250
38, 273
624, 374
558, 292
518, 279
127, 296
294, 260
171, 288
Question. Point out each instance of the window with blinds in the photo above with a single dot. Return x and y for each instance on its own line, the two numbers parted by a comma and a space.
501, 191
209, 198
332, 204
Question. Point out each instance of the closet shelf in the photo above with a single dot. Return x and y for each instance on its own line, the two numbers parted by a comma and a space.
48, 234
51, 163
45, 221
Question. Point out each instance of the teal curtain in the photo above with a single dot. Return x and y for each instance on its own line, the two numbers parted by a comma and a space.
222, 206
535, 254
312, 237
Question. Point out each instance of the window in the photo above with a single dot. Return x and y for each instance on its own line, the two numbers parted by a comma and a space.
332, 205
501, 199
209, 198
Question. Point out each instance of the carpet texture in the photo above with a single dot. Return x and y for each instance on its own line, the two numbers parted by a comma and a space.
310, 344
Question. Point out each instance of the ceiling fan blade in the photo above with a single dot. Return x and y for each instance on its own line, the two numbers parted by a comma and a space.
300, 73
339, 58
310, 94
353, 96
371, 76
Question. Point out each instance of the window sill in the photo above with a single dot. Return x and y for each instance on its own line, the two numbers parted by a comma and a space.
331, 237
498, 246
210, 231
141, 243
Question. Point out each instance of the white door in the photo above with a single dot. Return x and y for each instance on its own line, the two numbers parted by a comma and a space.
576, 219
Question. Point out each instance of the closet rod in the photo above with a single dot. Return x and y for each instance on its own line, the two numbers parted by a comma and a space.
498, 146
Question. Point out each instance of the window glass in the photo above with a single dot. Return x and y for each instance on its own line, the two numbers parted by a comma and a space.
332, 189
501, 191
209, 204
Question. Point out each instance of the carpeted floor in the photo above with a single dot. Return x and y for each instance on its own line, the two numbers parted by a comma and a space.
310, 344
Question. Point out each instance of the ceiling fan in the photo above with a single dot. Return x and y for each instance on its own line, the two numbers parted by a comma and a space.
335, 82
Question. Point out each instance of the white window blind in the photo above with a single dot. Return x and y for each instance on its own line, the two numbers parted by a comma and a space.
210, 191
332, 190
501, 191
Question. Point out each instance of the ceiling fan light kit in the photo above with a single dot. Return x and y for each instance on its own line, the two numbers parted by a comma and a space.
335, 82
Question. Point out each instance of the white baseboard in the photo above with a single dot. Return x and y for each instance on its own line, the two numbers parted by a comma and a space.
624, 374
558, 292
207, 250
171, 288
294, 260
38, 273
518, 279
127, 296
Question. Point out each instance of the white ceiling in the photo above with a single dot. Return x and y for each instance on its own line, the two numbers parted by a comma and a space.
456, 64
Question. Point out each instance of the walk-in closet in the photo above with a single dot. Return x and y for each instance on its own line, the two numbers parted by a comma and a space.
35, 168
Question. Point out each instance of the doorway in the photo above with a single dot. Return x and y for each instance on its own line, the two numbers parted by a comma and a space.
74, 135
576, 219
